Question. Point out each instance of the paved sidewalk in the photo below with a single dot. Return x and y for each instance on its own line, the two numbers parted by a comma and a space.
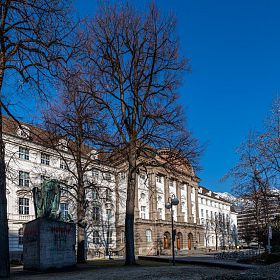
205, 260
111, 270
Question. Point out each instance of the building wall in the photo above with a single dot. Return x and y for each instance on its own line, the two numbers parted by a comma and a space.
155, 188
210, 208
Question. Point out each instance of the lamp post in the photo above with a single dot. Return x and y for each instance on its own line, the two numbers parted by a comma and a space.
173, 200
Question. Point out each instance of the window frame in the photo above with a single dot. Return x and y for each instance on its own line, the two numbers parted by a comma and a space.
23, 153
23, 206
45, 159
149, 238
24, 179
96, 213
64, 211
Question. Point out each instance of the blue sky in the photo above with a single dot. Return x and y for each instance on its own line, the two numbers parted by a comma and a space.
234, 52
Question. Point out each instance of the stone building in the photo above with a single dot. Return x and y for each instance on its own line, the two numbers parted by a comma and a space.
153, 220
29, 162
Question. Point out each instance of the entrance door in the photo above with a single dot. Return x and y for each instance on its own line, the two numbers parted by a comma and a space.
190, 241
179, 241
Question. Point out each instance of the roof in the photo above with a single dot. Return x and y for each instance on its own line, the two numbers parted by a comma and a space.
212, 194
36, 134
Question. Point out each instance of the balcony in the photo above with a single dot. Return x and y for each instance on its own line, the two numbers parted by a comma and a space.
20, 218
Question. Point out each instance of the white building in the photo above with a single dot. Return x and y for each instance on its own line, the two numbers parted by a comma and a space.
219, 219
29, 162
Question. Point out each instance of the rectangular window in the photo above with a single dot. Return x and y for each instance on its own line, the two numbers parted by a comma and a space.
107, 176
63, 164
109, 213
108, 195
45, 159
96, 213
159, 179
143, 212
23, 153
207, 216
64, 210
95, 239
95, 194
202, 213
24, 179
170, 183
95, 174
160, 213
23, 204
149, 235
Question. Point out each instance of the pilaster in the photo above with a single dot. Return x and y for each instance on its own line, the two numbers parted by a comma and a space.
152, 197
196, 206
166, 197
179, 207
136, 201
189, 203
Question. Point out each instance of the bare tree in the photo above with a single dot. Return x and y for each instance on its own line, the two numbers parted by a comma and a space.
256, 175
134, 59
76, 125
268, 144
33, 40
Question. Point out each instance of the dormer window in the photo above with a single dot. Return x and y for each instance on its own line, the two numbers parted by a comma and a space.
23, 131
93, 154
63, 144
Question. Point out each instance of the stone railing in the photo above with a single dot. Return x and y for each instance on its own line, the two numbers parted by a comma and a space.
19, 217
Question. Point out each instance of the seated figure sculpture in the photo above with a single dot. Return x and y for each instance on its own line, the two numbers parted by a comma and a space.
47, 199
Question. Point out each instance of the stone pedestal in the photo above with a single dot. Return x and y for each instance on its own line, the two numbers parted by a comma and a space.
49, 244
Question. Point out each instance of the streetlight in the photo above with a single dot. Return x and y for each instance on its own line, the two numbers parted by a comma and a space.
173, 200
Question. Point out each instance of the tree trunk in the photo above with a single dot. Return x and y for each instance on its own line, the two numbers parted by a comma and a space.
4, 233
130, 203
216, 242
81, 258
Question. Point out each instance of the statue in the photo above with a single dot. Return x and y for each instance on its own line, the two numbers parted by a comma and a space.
46, 200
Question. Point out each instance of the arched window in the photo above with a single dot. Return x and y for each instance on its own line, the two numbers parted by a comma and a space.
20, 236
149, 235
95, 237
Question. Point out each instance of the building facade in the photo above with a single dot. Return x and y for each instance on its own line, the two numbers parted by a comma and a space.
29, 162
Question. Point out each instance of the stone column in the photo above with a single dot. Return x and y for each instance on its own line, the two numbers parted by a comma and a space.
152, 197
189, 203
179, 207
196, 206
